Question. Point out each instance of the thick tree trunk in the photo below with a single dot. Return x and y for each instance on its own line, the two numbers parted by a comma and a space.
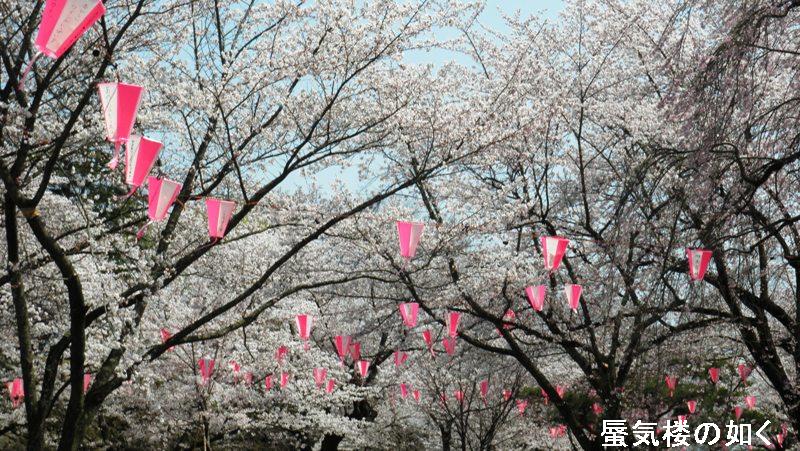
446, 434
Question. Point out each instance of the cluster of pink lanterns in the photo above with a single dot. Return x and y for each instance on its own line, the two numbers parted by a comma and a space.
63, 22
742, 370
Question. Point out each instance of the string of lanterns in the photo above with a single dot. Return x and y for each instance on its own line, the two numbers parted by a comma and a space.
64, 22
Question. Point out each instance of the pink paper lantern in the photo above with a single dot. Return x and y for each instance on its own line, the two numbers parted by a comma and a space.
484, 387
713, 373
140, 156
319, 376
506, 394
284, 380
403, 391
268, 382
166, 335
235, 368
459, 395
509, 318
120, 102
330, 386
452, 323
750, 402
304, 323
536, 296
737, 412
573, 293
87, 381
248, 378
355, 351
744, 372
426, 335
408, 312
219, 214
521, 405
671, 382
553, 249
400, 357
417, 395
63, 22
409, 234
280, 354
161, 194
698, 262
449, 345
597, 409
363, 368
342, 344
16, 392
206, 369
560, 391
692, 405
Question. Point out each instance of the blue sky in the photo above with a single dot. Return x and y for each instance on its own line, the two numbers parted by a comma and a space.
492, 17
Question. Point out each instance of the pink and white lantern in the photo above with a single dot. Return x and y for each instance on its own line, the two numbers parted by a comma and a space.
166, 335
355, 351
342, 345
63, 22
235, 369
284, 380
713, 373
161, 194
268, 382
426, 335
553, 249
744, 372
319, 376
206, 367
750, 402
409, 312
87, 381
409, 234
484, 387
692, 405
509, 319
219, 214
140, 155
16, 392
671, 382
363, 368
330, 386
698, 262
280, 354
452, 323
120, 102
449, 345
573, 293
304, 323
400, 358
403, 391
536, 296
